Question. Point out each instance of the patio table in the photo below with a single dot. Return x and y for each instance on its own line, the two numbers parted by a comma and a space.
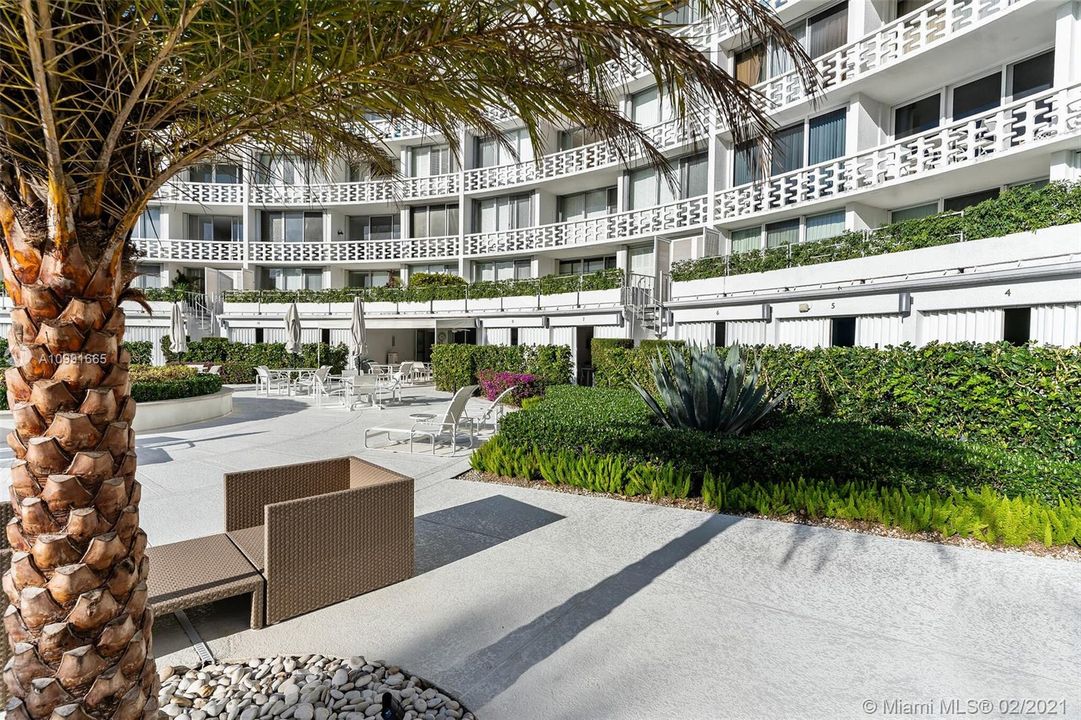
294, 375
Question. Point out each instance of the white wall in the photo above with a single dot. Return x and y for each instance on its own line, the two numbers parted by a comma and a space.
497, 336
699, 333
745, 332
533, 336
804, 332
980, 325
879, 330
1057, 324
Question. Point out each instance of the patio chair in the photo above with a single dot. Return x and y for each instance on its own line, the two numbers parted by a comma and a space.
326, 386
309, 383
493, 413
404, 376
368, 388
448, 425
267, 380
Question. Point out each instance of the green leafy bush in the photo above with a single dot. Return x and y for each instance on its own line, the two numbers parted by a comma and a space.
161, 373
5, 357
223, 351
142, 351
982, 514
194, 386
165, 294
237, 373
425, 287
1018, 209
592, 420
1017, 397
456, 365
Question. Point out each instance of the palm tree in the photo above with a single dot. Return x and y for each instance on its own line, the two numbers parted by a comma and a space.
102, 101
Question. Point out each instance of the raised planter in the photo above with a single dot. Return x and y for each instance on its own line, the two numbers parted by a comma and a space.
182, 411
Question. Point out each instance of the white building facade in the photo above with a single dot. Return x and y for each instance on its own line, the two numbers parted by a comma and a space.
926, 107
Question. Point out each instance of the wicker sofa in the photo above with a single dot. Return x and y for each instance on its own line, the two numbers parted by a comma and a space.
321, 532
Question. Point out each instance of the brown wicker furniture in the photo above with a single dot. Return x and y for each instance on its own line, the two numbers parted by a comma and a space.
196, 572
321, 532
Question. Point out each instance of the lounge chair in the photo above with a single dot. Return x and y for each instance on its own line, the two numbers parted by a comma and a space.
449, 425
493, 413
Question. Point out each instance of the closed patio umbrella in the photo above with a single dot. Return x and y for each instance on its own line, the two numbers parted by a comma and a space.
176, 329
358, 334
292, 330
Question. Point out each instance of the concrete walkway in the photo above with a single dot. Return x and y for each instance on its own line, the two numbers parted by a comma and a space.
533, 604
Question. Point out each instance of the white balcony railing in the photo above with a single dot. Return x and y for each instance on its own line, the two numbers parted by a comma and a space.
593, 156
679, 215
1042, 118
353, 251
196, 250
202, 193
933, 24
372, 191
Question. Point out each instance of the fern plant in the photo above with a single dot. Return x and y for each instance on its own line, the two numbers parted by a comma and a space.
706, 392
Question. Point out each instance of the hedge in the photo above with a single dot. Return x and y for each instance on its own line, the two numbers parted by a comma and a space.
164, 294
142, 351
982, 514
150, 383
999, 394
1019, 209
456, 365
426, 290
592, 420
238, 355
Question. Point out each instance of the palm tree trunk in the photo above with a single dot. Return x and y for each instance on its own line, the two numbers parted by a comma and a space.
78, 618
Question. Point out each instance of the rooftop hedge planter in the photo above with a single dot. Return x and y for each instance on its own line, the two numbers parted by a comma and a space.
1019, 209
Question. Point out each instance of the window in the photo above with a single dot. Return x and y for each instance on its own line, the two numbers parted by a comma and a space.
685, 14
374, 227
783, 233
747, 162
693, 176
751, 65
575, 138
369, 278
490, 151
149, 275
649, 108
508, 212
431, 160
780, 61
1017, 325
435, 268
433, 221
217, 228
824, 226
914, 213
843, 332
282, 169
359, 172
827, 31
291, 226
277, 278
747, 239
787, 150
649, 188
961, 202
585, 205
826, 137
215, 173
490, 270
148, 225
977, 96
1032, 76
585, 266
916, 117
904, 7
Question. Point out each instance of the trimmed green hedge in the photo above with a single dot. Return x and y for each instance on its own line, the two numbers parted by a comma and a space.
593, 420
273, 355
982, 514
455, 366
426, 291
1018, 209
150, 391
142, 351
999, 394
165, 294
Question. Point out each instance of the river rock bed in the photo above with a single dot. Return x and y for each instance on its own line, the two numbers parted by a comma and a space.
310, 687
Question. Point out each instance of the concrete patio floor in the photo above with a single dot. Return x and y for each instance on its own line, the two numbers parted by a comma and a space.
533, 604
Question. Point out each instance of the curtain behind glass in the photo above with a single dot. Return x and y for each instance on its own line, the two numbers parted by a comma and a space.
828, 31
746, 239
825, 226
782, 233
787, 150
826, 137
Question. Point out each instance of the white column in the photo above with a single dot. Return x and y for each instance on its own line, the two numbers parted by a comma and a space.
1068, 44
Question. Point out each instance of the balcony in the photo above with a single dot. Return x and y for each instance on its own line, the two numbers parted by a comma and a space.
202, 193
350, 251
921, 30
189, 250
594, 156
676, 216
1037, 121
351, 193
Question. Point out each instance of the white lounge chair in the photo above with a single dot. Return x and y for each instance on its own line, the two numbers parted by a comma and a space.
493, 413
450, 425
267, 380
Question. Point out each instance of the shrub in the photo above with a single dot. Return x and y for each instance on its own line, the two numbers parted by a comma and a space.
237, 373
1016, 397
419, 280
5, 356
592, 420
162, 373
494, 383
455, 365
982, 514
1018, 209
142, 351
221, 350
153, 390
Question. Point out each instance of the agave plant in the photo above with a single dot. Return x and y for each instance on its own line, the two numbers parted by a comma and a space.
706, 392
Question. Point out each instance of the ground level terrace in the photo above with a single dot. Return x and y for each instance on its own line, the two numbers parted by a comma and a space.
540, 604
